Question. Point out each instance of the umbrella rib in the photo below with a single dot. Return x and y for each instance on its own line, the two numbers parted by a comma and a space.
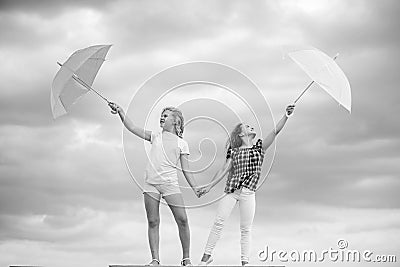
83, 83
311, 83
79, 80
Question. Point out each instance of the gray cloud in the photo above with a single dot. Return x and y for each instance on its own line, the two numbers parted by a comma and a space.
48, 7
361, 26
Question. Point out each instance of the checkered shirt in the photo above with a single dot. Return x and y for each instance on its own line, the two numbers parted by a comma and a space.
246, 167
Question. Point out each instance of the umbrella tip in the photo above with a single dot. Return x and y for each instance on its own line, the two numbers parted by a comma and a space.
337, 54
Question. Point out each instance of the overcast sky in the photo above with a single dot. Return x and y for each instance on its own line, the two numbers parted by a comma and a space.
67, 197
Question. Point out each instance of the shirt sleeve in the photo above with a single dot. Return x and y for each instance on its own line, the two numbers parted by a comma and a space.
229, 153
152, 137
259, 145
184, 147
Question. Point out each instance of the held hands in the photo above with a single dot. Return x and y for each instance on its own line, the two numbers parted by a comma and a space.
201, 191
289, 110
198, 191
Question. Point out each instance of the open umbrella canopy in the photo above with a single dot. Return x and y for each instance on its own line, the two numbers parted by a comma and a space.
324, 71
76, 77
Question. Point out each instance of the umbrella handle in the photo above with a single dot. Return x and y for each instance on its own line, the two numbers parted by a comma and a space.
309, 85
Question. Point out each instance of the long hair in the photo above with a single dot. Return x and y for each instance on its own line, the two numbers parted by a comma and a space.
178, 118
234, 140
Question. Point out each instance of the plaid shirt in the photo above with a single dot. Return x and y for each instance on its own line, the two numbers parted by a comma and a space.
246, 167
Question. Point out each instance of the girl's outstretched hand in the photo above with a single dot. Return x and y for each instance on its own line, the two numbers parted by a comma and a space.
114, 108
290, 110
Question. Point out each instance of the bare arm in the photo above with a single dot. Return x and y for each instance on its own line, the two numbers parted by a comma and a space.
221, 173
142, 133
279, 126
188, 174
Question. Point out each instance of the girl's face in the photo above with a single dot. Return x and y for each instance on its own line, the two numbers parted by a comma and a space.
166, 120
248, 131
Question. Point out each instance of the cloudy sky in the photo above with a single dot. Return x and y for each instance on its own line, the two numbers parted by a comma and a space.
67, 197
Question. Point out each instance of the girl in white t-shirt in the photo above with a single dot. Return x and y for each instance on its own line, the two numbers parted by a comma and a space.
161, 180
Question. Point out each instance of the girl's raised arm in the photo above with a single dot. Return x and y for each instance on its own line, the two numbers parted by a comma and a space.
142, 133
271, 137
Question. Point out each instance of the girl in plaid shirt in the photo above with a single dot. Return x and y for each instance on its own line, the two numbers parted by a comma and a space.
243, 162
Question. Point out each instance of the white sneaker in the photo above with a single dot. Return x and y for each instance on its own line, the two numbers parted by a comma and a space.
183, 262
154, 262
205, 263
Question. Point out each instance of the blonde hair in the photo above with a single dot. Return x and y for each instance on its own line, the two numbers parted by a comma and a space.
179, 121
234, 140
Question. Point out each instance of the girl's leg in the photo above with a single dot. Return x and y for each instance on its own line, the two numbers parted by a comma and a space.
247, 206
152, 206
225, 208
177, 206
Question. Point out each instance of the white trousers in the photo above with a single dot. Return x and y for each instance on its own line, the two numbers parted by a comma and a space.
247, 206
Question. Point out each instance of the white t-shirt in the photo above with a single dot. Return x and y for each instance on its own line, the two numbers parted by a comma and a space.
164, 155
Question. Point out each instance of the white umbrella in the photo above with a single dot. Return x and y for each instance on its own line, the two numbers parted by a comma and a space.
324, 71
76, 77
